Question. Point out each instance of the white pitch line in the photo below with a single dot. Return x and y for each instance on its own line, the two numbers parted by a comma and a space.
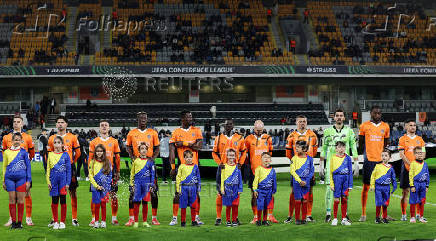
398, 196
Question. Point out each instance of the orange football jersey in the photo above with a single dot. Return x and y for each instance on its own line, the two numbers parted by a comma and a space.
223, 143
308, 136
255, 147
27, 143
112, 149
137, 136
70, 144
375, 135
190, 135
407, 144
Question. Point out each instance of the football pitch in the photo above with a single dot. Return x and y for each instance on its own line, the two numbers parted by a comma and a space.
313, 231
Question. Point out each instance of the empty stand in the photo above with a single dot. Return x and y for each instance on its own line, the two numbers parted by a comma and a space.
10, 108
158, 114
410, 106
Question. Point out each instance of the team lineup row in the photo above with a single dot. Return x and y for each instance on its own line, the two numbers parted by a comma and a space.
230, 151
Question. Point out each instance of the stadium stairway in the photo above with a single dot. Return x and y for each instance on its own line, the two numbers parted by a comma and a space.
277, 36
91, 59
311, 37
71, 29
301, 59
107, 35
289, 28
51, 119
6, 30
5, 35
358, 38
85, 60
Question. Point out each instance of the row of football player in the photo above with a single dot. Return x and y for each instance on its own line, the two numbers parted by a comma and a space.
188, 182
189, 137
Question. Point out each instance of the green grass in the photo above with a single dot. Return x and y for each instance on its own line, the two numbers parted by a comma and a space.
431, 163
314, 231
